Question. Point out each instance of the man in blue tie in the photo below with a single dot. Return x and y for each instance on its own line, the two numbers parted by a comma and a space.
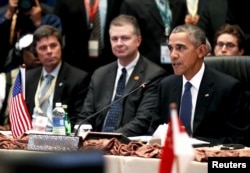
129, 115
214, 107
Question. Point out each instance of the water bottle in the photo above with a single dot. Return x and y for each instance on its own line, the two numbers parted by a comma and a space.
67, 121
58, 115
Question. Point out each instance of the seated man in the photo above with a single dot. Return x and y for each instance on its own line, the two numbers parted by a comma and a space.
132, 112
69, 84
229, 40
216, 110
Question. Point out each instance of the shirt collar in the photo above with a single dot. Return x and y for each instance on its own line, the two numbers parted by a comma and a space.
54, 72
131, 65
196, 80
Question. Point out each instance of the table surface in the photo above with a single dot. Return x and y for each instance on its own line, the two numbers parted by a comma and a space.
124, 164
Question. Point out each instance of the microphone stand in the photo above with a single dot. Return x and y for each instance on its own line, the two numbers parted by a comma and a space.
107, 106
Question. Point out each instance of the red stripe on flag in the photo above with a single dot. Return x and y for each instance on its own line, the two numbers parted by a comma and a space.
20, 119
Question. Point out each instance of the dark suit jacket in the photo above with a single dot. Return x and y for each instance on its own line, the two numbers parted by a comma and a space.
71, 88
152, 26
135, 117
212, 17
221, 113
75, 28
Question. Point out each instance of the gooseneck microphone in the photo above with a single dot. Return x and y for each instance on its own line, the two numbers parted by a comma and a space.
143, 85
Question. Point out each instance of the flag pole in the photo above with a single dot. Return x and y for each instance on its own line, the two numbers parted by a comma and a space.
174, 115
22, 71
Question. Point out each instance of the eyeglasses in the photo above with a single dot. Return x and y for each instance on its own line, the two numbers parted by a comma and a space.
228, 45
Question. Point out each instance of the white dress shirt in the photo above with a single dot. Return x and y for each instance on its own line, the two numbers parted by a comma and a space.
195, 81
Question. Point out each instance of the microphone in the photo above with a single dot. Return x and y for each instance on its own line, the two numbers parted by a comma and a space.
143, 85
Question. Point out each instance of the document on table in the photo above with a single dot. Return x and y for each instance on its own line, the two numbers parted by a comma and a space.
145, 139
160, 136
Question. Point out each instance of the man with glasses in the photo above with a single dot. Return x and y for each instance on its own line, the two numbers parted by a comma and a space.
229, 41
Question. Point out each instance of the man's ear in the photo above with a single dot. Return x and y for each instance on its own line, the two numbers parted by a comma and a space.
202, 50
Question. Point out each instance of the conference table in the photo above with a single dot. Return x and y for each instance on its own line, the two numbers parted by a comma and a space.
123, 164
131, 164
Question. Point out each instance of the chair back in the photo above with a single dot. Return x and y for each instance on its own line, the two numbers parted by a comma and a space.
235, 66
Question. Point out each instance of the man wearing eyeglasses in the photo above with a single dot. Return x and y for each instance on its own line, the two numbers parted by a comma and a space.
229, 41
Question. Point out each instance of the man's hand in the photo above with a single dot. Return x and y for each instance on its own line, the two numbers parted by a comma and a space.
189, 19
5, 127
36, 14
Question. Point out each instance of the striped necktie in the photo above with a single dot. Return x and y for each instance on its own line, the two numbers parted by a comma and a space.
46, 83
96, 30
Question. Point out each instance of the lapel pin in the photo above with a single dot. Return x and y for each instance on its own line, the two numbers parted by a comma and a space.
207, 95
136, 78
60, 84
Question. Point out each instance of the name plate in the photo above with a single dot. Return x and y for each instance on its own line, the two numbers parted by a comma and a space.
45, 142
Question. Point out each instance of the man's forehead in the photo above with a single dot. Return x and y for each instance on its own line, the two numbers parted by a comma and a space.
180, 38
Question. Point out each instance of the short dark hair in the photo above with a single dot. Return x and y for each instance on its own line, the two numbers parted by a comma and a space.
122, 19
46, 31
234, 30
196, 34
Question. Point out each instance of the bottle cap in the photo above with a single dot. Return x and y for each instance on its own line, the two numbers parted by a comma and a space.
58, 104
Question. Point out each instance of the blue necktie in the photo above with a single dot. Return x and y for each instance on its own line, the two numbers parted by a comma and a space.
114, 111
46, 83
186, 108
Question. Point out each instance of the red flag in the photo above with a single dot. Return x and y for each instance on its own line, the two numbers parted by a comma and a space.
177, 152
20, 119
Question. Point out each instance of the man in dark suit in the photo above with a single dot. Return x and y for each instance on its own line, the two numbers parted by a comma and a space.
134, 117
153, 27
220, 112
76, 26
212, 17
69, 85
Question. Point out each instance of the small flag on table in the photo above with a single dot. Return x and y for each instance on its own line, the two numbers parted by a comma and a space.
177, 152
20, 119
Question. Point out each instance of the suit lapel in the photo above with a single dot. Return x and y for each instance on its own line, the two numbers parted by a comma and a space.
155, 12
136, 78
60, 83
80, 4
110, 6
204, 98
175, 92
109, 87
33, 88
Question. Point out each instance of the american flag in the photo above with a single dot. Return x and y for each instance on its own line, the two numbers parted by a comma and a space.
20, 119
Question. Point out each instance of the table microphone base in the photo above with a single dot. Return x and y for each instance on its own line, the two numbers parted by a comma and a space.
49, 142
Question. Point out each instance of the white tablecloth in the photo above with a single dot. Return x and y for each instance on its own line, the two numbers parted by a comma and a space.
129, 164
